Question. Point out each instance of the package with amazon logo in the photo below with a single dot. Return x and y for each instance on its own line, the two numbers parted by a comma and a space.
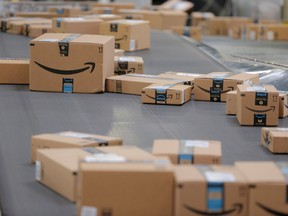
267, 183
210, 190
275, 139
257, 105
128, 65
130, 35
71, 63
214, 86
166, 94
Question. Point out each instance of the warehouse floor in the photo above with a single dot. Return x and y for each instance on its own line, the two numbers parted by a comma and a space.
24, 113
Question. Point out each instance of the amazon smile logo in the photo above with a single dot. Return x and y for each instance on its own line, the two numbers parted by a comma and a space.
230, 88
237, 208
121, 72
87, 65
161, 97
272, 108
271, 211
122, 38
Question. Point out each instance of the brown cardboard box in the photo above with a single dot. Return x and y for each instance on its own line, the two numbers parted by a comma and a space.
275, 32
126, 187
275, 139
168, 94
58, 168
189, 151
76, 25
192, 32
65, 11
36, 30
210, 190
283, 104
173, 18
17, 27
47, 15
198, 17
134, 83
257, 105
104, 17
119, 52
4, 22
231, 103
103, 10
128, 64
267, 187
14, 71
130, 35
213, 87
80, 66
70, 139
176, 5
253, 32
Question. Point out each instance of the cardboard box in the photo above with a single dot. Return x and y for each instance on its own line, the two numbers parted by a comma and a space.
36, 30
66, 11
70, 139
58, 168
257, 105
283, 104
104, 17
14, 71
192, 32
80, 66
275, 139
17, 27
275, 32
4, 22
231, 102
267, 187
198, 17
130, 35
128, 64
210, 190
168, 94
253, 32
214, 87
119, 52
189, 151
126, 187
134, 83
76, 25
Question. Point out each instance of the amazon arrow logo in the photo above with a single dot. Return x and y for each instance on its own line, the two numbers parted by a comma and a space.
161, 97
262, 111
68, 72
230, 88
271, 211
237, 208
121, 72
122, 38
286, 105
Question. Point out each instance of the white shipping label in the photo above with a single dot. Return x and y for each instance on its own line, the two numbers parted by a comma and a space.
256, 88
252, 35
197, 143
132, 45
105, 158
270, 35
74, 135
127, 58
49, 40
247, 82
38, 170
89, 211
212, 176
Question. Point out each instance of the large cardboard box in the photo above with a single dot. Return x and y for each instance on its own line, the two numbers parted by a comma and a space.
128, 64
210, 190
168, 94
36, 30
70, 139
213, 87
267, 187
124, 187
257, 105
58, 168
283, 104
4, 22
189, 151
275, 32
76, 25
66, 11
130, 35
14, 71
192, 32
134, 83
71, 63
17, 27
275, 139
231, 102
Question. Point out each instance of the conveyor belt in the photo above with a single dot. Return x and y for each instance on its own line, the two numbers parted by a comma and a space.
24, 113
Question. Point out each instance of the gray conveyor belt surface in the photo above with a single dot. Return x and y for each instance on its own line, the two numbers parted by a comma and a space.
24, 113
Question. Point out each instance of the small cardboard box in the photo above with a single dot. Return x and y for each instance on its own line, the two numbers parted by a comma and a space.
283, 105
275, 32
66, 11
36, 30
231, 103
192, 32
210, 190
130, 35
71, 63
267, 187
126, 187
17, 27
4, 22
134, 83
128, 64
213, 87
168, 94
14, 71
70, 139
58, 168
76, 25
119, 52
275, 139
189, 151
257, 105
